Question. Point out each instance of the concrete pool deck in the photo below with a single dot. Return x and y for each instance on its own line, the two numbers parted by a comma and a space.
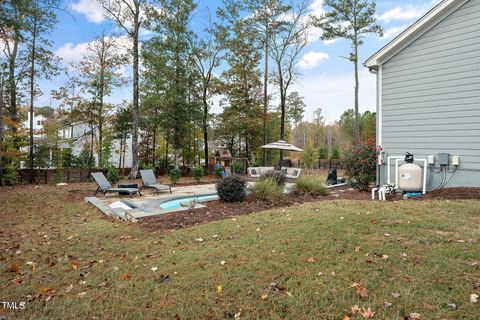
148, 204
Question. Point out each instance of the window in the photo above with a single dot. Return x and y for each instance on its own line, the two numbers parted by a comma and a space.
39, 122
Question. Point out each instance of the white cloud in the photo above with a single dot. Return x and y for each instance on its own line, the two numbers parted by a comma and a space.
392, 32
408, 12
71, 53
312, 59
92, 9
334, 93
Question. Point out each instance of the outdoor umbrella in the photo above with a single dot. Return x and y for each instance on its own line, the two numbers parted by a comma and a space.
282, 146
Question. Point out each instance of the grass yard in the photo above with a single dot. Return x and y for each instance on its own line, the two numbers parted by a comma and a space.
315, 261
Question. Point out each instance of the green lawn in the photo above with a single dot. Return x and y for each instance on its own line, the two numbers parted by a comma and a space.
68, 262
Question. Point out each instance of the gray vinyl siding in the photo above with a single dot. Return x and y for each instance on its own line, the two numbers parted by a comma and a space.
431, 95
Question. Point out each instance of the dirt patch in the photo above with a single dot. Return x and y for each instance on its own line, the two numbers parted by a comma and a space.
217, 210
455, 194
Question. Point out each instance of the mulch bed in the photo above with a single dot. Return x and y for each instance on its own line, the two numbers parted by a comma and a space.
217, 210
454, 194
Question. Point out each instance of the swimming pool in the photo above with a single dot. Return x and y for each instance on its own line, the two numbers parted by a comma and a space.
178, 203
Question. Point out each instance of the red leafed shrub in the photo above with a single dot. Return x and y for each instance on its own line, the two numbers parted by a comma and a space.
361, 165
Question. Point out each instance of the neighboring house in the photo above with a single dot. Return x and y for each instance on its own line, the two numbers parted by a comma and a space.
79, 134
428, 92
76, 136
38, 122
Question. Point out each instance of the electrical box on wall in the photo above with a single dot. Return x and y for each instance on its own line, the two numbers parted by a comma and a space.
443, 159
431, 160
455, 161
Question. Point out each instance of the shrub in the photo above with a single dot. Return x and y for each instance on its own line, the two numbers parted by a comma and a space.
361, 166
256, 163
312, 185
268, 190
232, 189
309, 156
277, 176
174, 175
112, 174
238, 167
197, 173
335, 154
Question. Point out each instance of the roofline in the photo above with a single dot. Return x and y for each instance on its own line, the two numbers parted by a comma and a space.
419, 27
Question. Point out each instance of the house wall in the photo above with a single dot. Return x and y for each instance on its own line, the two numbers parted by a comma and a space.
430, 96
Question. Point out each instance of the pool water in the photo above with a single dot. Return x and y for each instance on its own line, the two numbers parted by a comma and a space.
177, 203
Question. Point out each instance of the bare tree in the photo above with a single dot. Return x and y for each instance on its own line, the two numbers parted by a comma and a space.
206, 53
352, 20
127, 14
41, 20
286, 45
99, 68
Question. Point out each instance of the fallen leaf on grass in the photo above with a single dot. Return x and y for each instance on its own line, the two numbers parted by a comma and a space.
125, 276
386, 234
264, 296
164, 279
355, 285
396, 294
154, 269
387, 304
358, 248
32, 264
82, 294
199, 240
222, 262
415, 316
346, 318
14, 267
356, 309
362, 292
237, 315
368, 313
311, 260
75, 265
473, 298
69, 288
219, 289
384, 257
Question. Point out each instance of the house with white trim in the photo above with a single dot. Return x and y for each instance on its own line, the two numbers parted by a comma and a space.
428, 95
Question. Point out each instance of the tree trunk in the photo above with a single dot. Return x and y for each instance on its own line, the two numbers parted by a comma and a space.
153, 146
205, 128
100, 116
32, 97
265, 99
12, 92
2, 106
90, 160
135, 111
282, 108
357, 122
166, 157
120, 153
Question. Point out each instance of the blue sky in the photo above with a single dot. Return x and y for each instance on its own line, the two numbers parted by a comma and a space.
326, 81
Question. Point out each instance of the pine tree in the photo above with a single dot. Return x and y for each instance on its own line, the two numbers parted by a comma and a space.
352, 20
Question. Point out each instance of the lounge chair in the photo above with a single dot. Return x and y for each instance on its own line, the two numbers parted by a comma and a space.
104, 186
150, 181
